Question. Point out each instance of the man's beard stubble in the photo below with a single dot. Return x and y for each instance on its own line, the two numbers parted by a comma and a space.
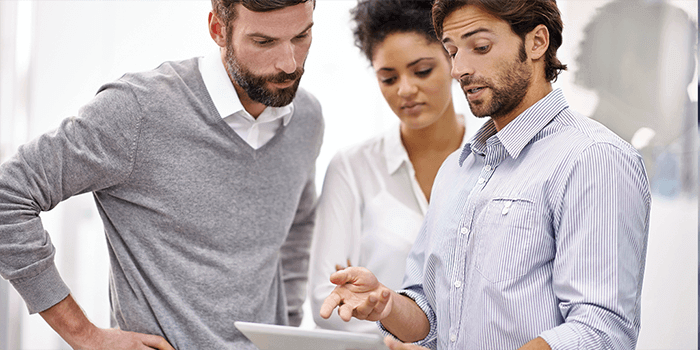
254, 85
508, 89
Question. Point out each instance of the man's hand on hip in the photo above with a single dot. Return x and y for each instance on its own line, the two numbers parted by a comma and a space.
69, 321
118, 339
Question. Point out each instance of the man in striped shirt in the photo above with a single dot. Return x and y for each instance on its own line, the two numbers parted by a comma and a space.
536, 233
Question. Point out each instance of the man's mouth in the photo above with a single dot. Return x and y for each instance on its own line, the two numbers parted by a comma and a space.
475, 90
283, 84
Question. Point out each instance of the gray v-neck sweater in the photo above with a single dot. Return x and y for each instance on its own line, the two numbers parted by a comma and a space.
202, 229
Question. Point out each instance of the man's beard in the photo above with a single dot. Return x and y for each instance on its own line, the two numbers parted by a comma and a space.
254, 85
507, 91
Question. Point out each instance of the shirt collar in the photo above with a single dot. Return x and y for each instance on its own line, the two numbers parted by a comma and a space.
394, 151
224, 95
519, 132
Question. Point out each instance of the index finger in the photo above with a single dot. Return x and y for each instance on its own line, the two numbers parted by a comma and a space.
330, 304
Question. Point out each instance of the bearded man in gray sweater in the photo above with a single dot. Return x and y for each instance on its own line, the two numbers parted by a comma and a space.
202, 171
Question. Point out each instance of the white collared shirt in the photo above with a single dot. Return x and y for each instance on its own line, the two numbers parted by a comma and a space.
255, 131
369, 212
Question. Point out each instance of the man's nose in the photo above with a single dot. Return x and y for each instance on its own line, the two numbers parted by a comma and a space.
461, 65
286, 61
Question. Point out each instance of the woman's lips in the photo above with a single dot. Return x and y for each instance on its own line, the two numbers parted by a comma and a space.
413, 108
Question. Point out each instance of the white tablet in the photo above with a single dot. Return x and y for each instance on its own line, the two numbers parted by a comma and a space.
273, 337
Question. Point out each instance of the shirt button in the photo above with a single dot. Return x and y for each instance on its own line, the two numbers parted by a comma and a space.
463, 230
487, 168
458, 284
481, 180
453, 337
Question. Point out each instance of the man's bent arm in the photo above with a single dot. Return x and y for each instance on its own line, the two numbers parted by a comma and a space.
69, 321
86, 153
601, 248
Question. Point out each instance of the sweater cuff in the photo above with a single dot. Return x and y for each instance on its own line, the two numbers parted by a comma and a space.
42, 291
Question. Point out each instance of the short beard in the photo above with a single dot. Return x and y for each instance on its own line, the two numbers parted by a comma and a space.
254, 85
507, 93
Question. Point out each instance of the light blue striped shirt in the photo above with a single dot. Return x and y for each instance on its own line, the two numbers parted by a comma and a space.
537, 230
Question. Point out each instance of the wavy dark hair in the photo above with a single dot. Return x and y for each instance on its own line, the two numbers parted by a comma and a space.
522, 16
374, 20
224, 9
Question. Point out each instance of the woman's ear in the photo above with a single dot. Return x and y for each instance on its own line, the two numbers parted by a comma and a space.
217, 30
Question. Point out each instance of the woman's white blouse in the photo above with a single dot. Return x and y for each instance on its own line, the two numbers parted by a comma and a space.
369, 212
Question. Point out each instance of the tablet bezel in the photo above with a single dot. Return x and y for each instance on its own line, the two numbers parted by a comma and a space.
275, 337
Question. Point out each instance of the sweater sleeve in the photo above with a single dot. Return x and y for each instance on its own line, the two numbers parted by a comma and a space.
86, 153
295, 252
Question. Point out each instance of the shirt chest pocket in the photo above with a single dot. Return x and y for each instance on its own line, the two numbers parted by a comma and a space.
512, 239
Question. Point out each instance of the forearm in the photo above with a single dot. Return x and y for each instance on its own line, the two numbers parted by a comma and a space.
536, 344
69, 321
407, 321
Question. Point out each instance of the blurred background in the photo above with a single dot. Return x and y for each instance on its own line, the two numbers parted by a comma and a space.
632, 66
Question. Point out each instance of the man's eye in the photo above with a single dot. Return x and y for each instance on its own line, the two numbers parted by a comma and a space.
482, 49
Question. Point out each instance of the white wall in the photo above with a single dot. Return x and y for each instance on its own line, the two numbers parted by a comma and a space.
75, 46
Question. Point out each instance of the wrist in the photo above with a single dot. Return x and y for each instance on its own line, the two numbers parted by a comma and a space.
84, 336
406, 321
70, 322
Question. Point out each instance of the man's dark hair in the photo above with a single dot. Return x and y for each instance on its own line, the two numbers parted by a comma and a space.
224, 9
522, 16
377, 19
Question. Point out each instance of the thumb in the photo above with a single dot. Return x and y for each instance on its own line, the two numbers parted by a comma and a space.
343, 276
